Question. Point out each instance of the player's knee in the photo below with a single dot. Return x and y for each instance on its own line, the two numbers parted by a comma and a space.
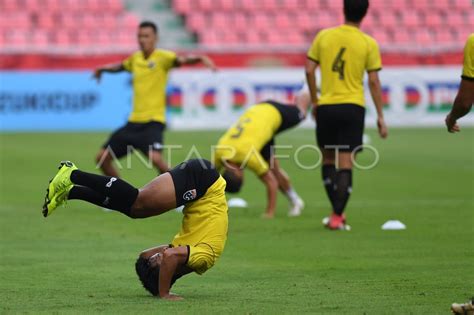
102, 158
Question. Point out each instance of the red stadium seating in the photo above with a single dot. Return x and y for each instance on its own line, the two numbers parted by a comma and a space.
392, 22
85, 24
105, 23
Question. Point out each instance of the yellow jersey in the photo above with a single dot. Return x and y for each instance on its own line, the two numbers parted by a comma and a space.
242, 143
468, 68
150, 77
344, 53
204, 227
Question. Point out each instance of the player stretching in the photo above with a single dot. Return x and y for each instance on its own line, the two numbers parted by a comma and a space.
463, 102
146, 124
343, 53
249, 143
194, 183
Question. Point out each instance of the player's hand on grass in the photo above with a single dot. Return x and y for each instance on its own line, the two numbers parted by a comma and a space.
452, 125
383, 131
171, 297
97, 74
267, 215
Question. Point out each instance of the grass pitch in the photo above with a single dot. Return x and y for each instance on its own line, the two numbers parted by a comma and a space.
81, 259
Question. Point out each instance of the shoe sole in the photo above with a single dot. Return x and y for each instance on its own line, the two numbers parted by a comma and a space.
46, 198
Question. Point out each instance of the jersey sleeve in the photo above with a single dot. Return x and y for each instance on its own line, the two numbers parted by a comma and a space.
313, 52
468, 66
374, 60
168, 58
127, 63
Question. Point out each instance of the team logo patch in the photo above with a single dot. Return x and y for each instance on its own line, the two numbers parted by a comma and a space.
190, 195
109, 184
151, 64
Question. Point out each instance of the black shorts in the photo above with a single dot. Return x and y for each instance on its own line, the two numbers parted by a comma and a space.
141, 136
291, 116
340, 125
191, 180
267, 150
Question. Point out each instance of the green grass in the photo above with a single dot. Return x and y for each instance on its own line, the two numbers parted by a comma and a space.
80, 260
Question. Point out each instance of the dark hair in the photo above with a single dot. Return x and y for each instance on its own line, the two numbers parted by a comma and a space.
234, 183
150, 276
149, 24
355, 10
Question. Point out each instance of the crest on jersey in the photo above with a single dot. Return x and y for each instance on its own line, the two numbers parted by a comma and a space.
190, 195
151, 64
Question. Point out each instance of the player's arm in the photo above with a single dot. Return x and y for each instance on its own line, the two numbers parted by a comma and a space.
303, 101
271, 184
147, 253
171, 260
462, 104
195, 59
111, 68
310, 71
376, 92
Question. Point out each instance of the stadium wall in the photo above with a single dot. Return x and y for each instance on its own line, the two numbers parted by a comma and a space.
244, 58
199, 99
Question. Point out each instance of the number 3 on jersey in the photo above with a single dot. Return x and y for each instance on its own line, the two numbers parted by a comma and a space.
338, 63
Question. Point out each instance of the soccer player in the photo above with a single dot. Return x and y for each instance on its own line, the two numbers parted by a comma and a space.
344, 53
463, 309
249, 143
463, 102
193, 183
144, 130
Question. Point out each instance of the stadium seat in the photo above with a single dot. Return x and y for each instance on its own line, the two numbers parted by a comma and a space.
443, 4
417, 4
269, 5
433, 19
381, 35
262, 21
456, 20
387, 19
292, 5
40, 39
444, 35
283, 20
463, 4
402, 36
226, 5
196, 22
248, 21
240, 21
462, 35
423, 37
311, 5
250, 5
183, 6
220, 21
206, 5
411, 19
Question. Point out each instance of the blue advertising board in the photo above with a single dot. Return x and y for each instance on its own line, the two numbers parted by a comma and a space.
63, 100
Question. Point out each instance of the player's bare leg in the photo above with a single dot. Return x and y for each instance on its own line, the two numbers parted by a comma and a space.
104, 160
285, 187
157, 159
154, 198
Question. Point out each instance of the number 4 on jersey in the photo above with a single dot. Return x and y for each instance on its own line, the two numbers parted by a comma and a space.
338, 63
